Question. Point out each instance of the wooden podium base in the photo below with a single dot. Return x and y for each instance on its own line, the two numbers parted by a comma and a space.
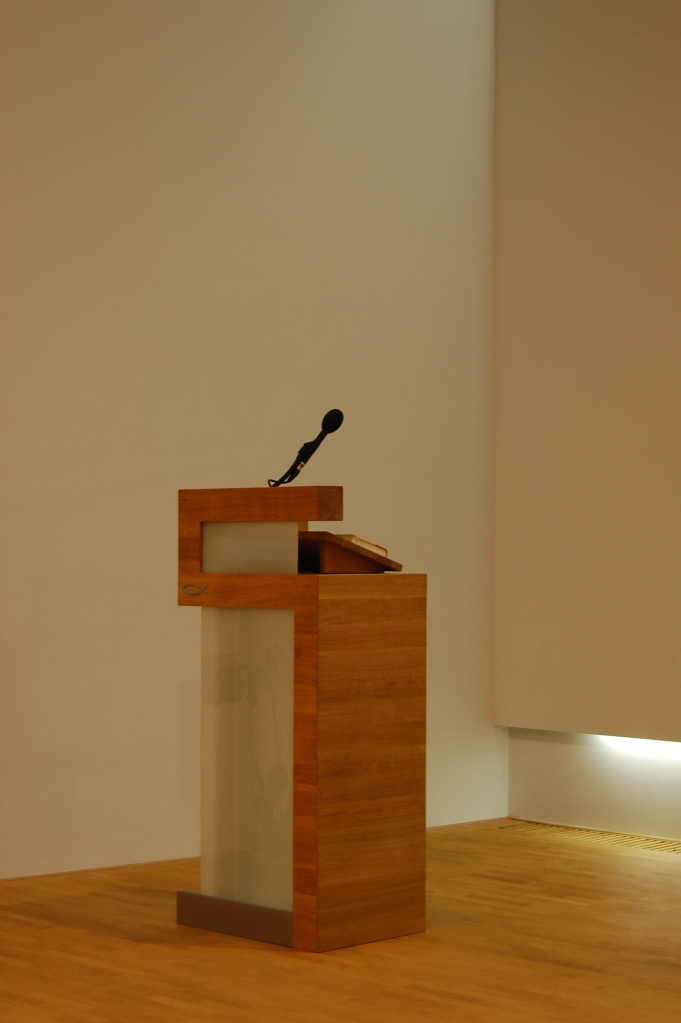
238, 918
356, 783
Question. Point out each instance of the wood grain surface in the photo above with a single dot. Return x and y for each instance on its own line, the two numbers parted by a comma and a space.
262, 504
521, 929
254, 590
305, 780
371, 693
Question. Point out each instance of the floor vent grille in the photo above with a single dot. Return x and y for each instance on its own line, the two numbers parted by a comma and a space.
665, 845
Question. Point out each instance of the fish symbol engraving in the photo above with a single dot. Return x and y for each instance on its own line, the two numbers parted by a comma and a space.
193, 589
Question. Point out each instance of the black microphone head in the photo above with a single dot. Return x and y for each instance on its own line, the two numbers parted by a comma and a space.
332, 420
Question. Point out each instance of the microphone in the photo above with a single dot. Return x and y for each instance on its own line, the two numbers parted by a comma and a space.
330, 423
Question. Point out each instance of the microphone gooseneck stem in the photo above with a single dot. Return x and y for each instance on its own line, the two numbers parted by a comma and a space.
330, 423
302, 458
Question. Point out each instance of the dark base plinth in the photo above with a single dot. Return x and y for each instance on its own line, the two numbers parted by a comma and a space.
238, 918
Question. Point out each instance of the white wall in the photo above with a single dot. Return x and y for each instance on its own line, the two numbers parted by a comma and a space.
588, 417
581, 780
221, 219
588, 363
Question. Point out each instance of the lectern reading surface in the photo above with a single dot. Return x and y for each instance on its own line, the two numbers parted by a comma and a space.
313, 723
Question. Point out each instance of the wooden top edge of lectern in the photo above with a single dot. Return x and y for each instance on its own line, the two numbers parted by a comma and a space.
262, 504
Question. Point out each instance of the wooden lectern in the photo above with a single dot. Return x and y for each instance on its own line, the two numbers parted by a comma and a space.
313, 723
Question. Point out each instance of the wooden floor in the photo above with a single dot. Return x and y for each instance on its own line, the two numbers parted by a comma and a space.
521, 928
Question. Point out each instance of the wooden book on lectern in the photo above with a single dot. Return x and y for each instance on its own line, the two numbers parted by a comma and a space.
351, 801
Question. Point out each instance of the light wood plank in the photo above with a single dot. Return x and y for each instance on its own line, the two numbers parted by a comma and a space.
262, 504
521, 929
371, 714
305, 773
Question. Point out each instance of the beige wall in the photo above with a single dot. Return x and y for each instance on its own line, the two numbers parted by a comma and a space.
221, 219
588, 366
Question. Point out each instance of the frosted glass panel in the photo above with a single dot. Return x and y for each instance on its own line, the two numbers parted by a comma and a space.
269, 547
247, 756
